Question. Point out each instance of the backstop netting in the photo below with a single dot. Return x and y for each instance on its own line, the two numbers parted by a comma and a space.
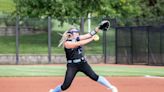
140, 45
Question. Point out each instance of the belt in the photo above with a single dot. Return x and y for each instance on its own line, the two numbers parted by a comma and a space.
75, 61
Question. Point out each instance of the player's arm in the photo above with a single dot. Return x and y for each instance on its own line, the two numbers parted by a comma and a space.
69, 44
89, 35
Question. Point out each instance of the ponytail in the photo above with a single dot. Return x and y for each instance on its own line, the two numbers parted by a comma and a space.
65, 36
63, 39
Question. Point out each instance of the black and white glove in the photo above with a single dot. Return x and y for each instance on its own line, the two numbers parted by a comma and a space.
104, 25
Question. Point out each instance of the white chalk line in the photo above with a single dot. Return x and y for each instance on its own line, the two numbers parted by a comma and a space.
157, 77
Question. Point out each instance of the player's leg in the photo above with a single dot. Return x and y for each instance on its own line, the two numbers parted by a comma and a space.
57, 89
100, 79
69, 76
87, 70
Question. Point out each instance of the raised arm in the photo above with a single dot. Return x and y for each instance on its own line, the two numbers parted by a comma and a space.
84, 39
69, 44
89, 35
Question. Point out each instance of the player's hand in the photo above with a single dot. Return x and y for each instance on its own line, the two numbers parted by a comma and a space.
96, 37
97, 29
104, 25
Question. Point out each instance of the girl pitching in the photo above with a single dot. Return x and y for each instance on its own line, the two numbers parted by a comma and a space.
76, 62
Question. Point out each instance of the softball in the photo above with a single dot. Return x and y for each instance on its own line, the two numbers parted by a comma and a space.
96, 37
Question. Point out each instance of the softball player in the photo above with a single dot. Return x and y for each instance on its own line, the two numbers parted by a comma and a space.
76, 62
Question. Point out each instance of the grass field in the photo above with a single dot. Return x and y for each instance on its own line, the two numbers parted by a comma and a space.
59, 70
38, 44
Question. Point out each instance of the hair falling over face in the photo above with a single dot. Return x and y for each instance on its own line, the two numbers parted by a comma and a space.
65, 36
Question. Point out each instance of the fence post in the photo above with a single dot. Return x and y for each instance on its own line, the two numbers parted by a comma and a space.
104, 47
116, 40
82, 25
17, 39
148, 34
82, 30
116, 47
160, 45
49, 39
132, 47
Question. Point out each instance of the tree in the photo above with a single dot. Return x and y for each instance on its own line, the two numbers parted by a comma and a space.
77, 8
152, 8
56, 8
60, 9
121, 8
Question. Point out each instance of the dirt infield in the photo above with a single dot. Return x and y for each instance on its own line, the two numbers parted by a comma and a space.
81, 84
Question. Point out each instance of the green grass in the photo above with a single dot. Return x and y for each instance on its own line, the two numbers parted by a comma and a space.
37, 44
30, 44
46, 70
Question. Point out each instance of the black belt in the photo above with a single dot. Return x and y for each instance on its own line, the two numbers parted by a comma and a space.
76, 60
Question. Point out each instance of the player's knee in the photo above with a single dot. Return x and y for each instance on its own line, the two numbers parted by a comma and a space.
65, 86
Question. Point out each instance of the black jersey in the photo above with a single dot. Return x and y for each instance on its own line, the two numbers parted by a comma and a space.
74, 53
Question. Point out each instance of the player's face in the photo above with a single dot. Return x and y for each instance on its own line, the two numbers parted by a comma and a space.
76, 34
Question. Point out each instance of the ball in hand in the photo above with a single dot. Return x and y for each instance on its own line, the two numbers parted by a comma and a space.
96, 37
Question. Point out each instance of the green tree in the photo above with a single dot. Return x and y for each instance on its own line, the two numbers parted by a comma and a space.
152, 8
120, 8
56, 8
78, 8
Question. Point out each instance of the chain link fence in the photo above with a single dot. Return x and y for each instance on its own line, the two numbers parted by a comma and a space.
140, 45
127, 42
26, 37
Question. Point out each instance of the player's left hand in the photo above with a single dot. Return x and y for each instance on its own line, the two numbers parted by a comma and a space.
104, 25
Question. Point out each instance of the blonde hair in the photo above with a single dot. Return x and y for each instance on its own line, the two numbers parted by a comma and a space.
65, 36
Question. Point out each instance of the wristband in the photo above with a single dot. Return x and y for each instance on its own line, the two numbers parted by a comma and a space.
92, 33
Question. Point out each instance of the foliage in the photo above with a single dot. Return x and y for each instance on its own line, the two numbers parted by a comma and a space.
73, 9
120, 8
77, 8
6, 6
152, 8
